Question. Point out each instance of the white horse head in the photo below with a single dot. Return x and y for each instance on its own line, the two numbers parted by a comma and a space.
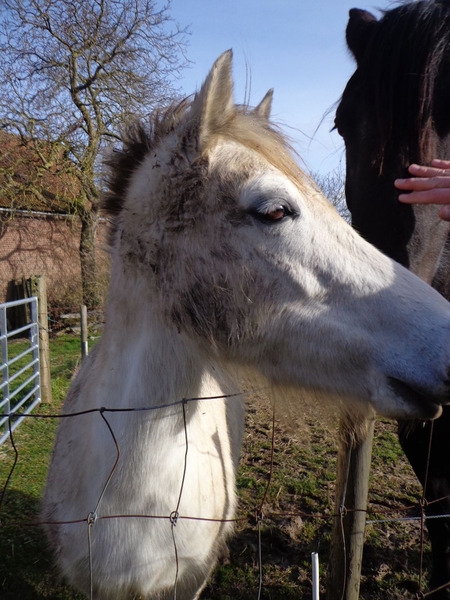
223, 254
242, 255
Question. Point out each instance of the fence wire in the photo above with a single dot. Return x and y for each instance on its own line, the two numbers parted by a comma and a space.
256, 519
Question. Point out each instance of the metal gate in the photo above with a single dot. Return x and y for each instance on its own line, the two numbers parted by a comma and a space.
20, 381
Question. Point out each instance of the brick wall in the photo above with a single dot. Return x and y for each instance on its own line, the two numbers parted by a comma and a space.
46, 245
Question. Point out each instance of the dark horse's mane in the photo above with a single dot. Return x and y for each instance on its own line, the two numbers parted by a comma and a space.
402, 62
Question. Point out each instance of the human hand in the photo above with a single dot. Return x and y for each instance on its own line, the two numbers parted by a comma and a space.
430, 185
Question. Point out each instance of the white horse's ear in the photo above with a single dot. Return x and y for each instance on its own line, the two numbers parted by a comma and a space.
265, 106
214, 104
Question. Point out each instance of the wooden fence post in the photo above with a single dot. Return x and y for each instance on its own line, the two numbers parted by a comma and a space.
84, 330
39, 288
352, 487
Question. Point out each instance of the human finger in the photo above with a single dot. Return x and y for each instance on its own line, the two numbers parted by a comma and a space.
444, 213
440, 163
423, 183
429, 171
414, 183
427, 196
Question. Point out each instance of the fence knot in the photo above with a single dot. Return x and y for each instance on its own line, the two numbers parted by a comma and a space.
92, 518
259, 516
174, 517
423, 503
420, 595
343, 511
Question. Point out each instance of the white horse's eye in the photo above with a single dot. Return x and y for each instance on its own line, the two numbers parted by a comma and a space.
277, 213
272, 214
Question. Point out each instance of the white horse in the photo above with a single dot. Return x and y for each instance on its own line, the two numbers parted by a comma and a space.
223, 254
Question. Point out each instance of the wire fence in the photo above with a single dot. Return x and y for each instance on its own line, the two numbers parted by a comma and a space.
258, 513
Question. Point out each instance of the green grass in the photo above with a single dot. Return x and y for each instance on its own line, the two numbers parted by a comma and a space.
302, 484
26, 564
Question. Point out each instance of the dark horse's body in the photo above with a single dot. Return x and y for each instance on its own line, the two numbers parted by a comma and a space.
395, 110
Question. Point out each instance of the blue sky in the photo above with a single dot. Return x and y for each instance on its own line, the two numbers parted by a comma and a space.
295, 46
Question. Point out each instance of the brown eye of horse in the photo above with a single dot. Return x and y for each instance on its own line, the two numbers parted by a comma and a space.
273, 214
277, 213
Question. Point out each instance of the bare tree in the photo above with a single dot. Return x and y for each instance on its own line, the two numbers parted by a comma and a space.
71, 73
332, 185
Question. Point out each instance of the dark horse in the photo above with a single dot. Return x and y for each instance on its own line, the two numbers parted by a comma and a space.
395, 110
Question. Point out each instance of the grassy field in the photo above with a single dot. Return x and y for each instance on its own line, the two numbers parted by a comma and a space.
302, 483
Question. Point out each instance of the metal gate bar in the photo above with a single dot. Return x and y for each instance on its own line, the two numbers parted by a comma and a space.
15, 392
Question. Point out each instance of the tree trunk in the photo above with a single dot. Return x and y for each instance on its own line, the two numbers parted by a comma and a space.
89, 279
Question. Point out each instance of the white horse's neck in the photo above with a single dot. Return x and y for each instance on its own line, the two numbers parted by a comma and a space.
146, 361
